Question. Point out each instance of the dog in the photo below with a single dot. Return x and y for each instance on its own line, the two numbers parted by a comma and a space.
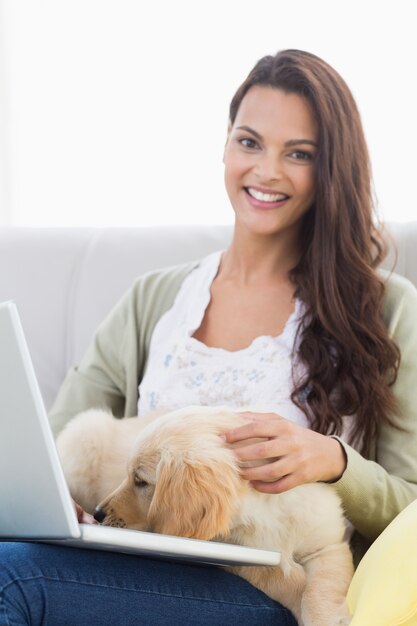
174, 474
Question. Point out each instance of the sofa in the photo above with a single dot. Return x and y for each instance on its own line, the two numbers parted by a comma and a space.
65, 281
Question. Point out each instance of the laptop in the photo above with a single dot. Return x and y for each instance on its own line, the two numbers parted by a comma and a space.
35, 503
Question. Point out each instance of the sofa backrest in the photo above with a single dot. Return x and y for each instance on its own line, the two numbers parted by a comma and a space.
65, 281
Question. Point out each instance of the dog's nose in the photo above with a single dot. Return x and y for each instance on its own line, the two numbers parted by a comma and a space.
99, 514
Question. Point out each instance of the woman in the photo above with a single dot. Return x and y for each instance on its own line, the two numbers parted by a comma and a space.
293, 317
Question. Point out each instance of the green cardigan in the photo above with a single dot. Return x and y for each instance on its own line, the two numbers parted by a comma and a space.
373, 491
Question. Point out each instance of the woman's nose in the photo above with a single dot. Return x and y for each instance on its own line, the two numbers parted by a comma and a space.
269, 168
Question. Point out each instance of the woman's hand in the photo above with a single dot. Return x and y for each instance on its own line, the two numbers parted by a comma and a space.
82, 516
287, 455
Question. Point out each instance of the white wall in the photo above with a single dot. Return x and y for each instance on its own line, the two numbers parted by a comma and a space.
113, 112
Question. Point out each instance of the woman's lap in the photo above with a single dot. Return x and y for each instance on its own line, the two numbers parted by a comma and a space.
57, 586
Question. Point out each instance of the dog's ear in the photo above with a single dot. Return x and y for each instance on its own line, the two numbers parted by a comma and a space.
193, 499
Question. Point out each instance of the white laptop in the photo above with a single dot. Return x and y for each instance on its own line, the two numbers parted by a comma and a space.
35, 503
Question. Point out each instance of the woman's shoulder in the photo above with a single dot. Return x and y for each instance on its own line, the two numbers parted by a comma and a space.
171, 277
158, 288
400, 296
397, 286
168, 274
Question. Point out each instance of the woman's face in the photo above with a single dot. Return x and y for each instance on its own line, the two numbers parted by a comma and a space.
269, 161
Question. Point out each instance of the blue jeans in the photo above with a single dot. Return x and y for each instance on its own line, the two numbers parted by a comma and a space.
57, 586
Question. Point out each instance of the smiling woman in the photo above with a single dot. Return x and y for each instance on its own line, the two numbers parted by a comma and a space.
294, 318
269, 162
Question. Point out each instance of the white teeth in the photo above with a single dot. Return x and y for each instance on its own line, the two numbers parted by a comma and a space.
266, 197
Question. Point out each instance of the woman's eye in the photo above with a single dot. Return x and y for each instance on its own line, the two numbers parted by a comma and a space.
301, 155
246, 142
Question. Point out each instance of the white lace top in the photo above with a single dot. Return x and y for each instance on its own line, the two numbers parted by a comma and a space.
183, 371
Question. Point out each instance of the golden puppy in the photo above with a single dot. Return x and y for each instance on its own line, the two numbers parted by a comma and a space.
182, 479
94, 448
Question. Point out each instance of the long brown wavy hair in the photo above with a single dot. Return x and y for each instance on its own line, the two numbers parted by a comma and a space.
351, 360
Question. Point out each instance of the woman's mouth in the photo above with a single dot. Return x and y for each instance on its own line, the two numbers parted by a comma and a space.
260, 199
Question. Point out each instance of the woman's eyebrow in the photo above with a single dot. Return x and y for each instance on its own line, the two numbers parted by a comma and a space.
250, 130
296, 142
288, 144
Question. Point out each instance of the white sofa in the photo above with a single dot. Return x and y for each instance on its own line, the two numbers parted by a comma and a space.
64, 281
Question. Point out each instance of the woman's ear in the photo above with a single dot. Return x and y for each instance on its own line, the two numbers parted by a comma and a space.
193, 499
229, 128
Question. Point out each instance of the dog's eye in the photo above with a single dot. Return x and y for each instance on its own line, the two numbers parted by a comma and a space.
140, 483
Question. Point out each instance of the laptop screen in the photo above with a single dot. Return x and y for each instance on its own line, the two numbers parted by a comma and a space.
34, 497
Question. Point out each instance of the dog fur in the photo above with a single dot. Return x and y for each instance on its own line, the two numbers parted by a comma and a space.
174, 474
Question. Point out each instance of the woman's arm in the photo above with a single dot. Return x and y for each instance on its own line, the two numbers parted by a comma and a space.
373, 491
109, 374
286, 454
100, 378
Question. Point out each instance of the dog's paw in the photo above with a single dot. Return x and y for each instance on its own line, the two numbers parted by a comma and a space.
338, 616
342, 617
